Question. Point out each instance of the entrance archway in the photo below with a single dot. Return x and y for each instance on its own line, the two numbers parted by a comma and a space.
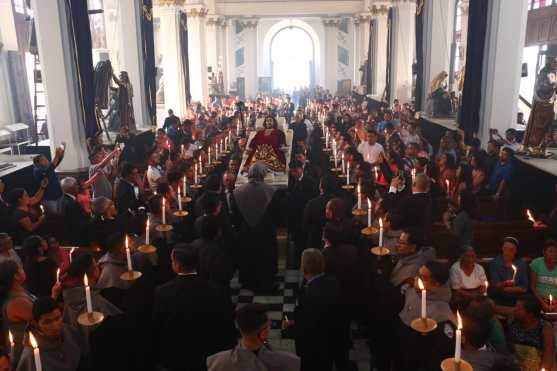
292, 59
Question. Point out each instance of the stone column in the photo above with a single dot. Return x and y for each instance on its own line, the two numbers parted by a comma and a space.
197, 43
222, 58
505, 35
379, 14
357, 51
464, 5
173, 74
438, 37
65, 119
212, 23
404, 50
331, 53
250, 56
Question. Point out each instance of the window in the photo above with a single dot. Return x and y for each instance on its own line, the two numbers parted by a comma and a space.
239, 57
343, 26
238, 26
343, 56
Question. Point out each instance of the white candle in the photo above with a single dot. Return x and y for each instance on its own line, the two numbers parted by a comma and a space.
71, 252
514, 272
200, 165
335, 153
359, 197
380, 232
179, 200
36, 353
182, 149
209, 154
184, 185
376, 173
128, 255
413, 175
422, 287
348, 173
163, 210
342, 163
368, 213
229, 139
195, 174
327, 137
58, 275
486, 283
550, 300
216, 151
530, 217
88, 302
457, 349
448, 184
147, 230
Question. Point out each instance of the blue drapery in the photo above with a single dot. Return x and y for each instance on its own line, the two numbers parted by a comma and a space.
184, 48
150, 69
369, 65
80, 35
419, 54
471, 93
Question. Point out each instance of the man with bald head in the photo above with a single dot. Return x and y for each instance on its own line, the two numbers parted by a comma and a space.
412, 210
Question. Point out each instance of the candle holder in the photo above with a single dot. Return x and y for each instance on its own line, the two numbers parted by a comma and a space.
130, 275
450, 364
202, 176
164, 228
196, 186
380, 251
147, 249
327, 149
342, 176
368, 231
348, 186
180, 213
423, 325
186, 200
336, 169
217, 163
88, 319
227, 152
359, 212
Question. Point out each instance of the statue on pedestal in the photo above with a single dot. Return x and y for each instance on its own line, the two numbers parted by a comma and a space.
543, 113
439, 99
125, 101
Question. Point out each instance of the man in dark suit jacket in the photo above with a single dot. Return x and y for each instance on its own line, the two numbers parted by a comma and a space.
413, 210
192, 318
127, 191
302, 188
321, 337
314, 213
74, 216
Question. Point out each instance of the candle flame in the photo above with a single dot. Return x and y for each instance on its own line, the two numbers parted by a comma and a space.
550, 299
448, 184
11, 337
486, 285
359, 189
85, 280
163, 202
179, 192
33, 341
421, 284
530, 217
380, 223
368, 203
459, 320
148, 222
514, 268
58, 274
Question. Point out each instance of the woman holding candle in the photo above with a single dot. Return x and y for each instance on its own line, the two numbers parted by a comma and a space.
543, 274
40, 270
503, 289
467, 276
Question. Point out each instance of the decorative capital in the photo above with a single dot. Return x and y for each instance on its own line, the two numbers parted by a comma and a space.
377, 10
331, 22
362, 18
249, 23
197, 12
169, 2
215, 20
464, 6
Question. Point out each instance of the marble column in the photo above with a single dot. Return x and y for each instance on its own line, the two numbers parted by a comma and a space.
197, 43
331, 53
357, 52
380, 14
404, 50
174, 81
131, 56
212, 22
464, 5
504, 44
65, 119
438, 37
250, 57
222, 58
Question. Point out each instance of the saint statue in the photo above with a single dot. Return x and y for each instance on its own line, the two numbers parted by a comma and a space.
439, 99
363, 70
267, 146
125, 103
542, 114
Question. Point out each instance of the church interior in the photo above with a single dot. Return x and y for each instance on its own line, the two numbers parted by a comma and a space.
278, 185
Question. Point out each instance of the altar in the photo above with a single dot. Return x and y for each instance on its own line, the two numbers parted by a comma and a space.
277, 179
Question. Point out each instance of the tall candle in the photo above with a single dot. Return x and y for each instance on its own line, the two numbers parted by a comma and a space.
195, 174
209, 154
368, 213
58, 275
380, 232
36, 353
179, 199
448, 184
422, 287
184, 185
486, 284
229, 139
514, 272
200, 165
71, 252
359, 197
348, 173
147, 230
342, 163
216, 151
413, 175
163, 210
327, 137
182, 149
458, 345
128, 255
88, 301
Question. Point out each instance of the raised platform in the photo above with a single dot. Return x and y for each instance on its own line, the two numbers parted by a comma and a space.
434, 128
547, 165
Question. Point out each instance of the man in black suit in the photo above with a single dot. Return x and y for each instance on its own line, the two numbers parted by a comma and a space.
128, 191
309, 169
74, 216
192, 318
412, 210
302, 188
322, 338
314, 213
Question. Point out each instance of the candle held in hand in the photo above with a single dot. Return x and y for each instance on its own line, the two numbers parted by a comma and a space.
128, 255
380, 232
88, 302
458, 344
368, 213
36, 353
424, 298
514, 272
147, 230
163, 210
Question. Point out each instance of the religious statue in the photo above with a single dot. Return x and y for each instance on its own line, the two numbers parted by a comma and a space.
267, 146
125, 103
364, 72
542, 114
439, 100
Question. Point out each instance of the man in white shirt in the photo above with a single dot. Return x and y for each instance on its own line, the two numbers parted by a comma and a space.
154, 171
370, 149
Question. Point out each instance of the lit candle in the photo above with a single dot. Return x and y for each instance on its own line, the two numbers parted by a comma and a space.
179, 199
216, 151
12, 344
422, 288
209, 154
182, 149
195, 174
335, 153
448, 184
458, 339
36, 353
71, 252
359, 197
163, 210
413, 175
530, 217
200, 165
514, 272
380, 232
550, 301
486, 283
327, 137
368, 213
342, 163
348, 173
147, 230
88, 301
184, 185
128, 255
58, 275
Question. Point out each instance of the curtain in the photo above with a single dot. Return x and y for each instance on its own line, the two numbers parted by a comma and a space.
471, 93
80, 34
184, 53
369, 64
150, 69
387, 92
419, 54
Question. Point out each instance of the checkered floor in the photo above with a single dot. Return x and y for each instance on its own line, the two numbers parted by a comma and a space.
283, 304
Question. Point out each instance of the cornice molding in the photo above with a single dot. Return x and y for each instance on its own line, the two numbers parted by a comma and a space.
376, 10
169, 2
331, 22
249, 23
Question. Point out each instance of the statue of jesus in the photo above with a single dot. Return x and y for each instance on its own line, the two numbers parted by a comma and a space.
267, 146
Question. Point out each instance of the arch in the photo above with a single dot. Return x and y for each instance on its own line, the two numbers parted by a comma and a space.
286, 23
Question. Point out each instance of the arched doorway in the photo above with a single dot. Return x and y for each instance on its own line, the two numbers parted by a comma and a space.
292, 56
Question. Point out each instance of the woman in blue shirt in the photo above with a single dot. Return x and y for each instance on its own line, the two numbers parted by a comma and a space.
502, 287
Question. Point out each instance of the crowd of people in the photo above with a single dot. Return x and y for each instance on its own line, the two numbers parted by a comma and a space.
65, 248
